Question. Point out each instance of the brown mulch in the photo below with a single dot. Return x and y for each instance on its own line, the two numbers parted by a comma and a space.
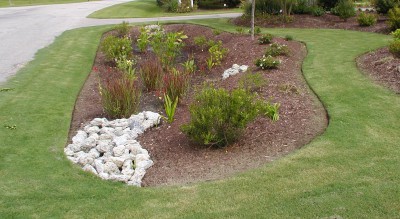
382, 67
177, 160
326, 21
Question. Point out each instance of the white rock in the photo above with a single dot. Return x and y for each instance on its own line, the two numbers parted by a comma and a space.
128, 172
104, 176
85, 159
118, 131
79, 138
73, 159
243, 68
68, 151
88, 144
80, 154
141, 157
119, 150
137, 177
119, 161
89, 168
155, 118
94, 136
111, 168
104, 146
99, 122
120, 178
94, 153
145, 164
92, 129
106, 136
235, 66
99, 165
123, 123
236, 69
121, 140
106, 130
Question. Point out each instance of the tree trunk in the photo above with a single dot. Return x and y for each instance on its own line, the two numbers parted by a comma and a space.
253, 9
191, 3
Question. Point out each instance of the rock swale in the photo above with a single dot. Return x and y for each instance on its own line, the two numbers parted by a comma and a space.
109, 149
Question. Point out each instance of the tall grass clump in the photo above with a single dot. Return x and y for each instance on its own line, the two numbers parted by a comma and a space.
175, 83
120, 96
151, 73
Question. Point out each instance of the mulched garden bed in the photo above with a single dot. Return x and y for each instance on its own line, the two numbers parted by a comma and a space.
382, 67
326, 21
177, 160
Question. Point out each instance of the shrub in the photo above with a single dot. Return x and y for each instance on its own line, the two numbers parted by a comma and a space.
277, 49
143, 40
170, 5
201, 41
175, 83
383, 6
252, 81
217, 53
115, 48
210, 4
396, 34
127, 67
265, 39
345, 9
240, 30
167, 46
288, 37
394, 48
263, 7
267, 62
366, 20
302, 7
151, 73
317, 11
120, 96
328, 4
122, 29
189, 66
218, 117
394, 18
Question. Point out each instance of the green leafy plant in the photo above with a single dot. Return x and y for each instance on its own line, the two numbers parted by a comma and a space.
277, 49
116, 48
201, 41
120, 96
396, 34
288, 38
128, 67
394, 18
252, 81
218, 117
383, 6
143, 39
175, 83
151, 73
167, 46
267, 62
189, 66
216, 32
217, 53
170, 107
265, 39
345, 9
394, 48
240, 30
317, 11
122, 29
366, 20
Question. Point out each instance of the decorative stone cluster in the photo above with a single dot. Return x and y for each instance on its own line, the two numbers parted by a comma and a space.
236, 69
109, 149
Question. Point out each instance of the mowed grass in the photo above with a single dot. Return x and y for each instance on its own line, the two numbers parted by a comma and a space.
6, 3
351, 171
146, 9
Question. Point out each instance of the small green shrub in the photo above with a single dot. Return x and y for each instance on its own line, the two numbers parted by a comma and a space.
175, 83
218, 117
302, 7
252, 81
345, 9
151, 73
167, 46
383, 6
127, 66
201, 41
277, 49
189, 65
115, 48
120, 96
217, 53
267, 62
396, 34
240, 30
217, 32
394, 18
317, 11
263, 7
122, 29
394, 48
265, 39
366, 20
288, 37
328, 4
143, 39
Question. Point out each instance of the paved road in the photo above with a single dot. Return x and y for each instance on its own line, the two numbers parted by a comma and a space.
25, 30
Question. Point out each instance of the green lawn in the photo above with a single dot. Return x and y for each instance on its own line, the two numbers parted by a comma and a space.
6, 3
145, 9
351, 171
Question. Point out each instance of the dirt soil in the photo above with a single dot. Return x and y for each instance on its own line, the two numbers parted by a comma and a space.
327, 21
382, 67
178, 160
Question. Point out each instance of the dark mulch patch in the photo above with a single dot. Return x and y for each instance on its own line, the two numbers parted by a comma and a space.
177, 160
382, 67
327, 21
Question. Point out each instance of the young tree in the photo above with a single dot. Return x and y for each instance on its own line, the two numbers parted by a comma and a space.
253, 9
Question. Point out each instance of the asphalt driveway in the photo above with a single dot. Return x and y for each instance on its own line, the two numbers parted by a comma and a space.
25, 30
